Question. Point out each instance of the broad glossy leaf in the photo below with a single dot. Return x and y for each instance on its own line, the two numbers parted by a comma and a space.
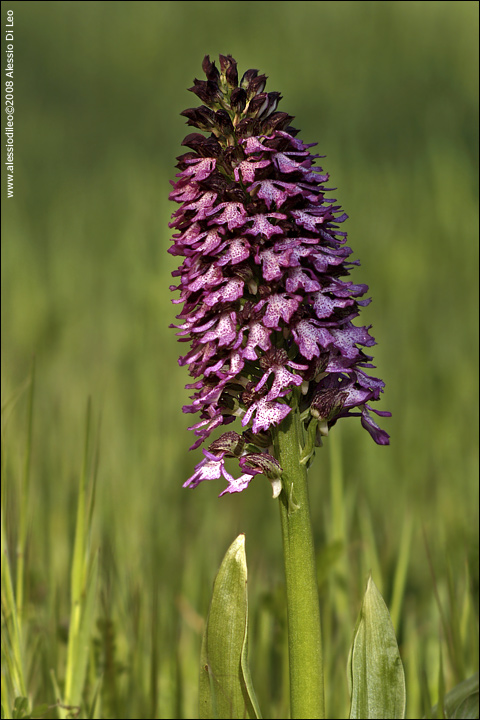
225, 685
462, 701
375, 671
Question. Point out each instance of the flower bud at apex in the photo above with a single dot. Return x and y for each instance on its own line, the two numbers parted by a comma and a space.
232, 75
265, 300
208, 91
210, 70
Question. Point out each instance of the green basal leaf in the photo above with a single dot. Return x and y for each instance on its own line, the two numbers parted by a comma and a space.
462, 701
375, 671
226, 689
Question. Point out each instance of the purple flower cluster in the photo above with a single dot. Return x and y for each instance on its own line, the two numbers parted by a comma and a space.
266, 311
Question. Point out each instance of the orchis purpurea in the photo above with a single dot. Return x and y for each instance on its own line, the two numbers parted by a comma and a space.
267, 310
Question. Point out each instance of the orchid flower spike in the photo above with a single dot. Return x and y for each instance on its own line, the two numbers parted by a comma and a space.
266, 308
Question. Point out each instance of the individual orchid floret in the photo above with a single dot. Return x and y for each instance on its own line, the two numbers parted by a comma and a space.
267, 306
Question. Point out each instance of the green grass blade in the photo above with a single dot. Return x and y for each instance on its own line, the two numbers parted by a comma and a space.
401, 572
12, 653
92, 711
78, 566
370, 559
83, 585
61, 711
24, 496
12, 647
225, 685
441, 685
375, 670
85, 631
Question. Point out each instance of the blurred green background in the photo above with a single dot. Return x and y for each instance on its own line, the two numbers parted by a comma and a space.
389, 92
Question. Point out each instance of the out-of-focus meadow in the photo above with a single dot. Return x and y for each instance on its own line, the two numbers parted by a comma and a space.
389, 92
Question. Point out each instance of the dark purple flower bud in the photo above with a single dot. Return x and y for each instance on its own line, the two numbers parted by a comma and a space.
267, 305
247, 127
229, 70
202, 117
210, 70
207, 91
273, 100
247, 78
258, 105
223, 123
256, 85
205, 147
225, 61
238, 100
276, 121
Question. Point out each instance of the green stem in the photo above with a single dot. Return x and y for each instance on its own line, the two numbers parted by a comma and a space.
304, 633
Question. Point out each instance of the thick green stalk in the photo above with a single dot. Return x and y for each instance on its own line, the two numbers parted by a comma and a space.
304, 633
